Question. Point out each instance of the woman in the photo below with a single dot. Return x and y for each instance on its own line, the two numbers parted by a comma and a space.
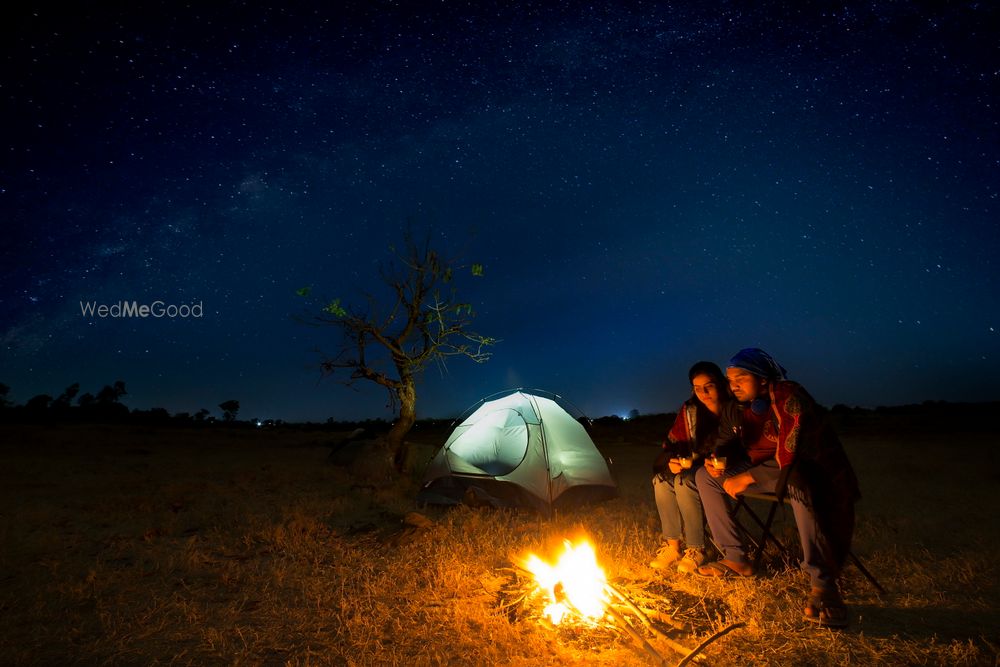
674, 489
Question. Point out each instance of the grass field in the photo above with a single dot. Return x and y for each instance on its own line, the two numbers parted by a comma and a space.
130, 546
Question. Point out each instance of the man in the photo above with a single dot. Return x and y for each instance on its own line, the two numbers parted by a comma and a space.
776, 433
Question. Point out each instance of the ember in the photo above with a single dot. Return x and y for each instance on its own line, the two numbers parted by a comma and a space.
575, 582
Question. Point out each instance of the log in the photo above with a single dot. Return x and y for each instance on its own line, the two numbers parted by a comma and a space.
694, 655
675, 645
646, 646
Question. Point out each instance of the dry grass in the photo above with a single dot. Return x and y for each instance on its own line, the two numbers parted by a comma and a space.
124, 546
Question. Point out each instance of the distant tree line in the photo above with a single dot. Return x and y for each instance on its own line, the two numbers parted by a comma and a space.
104, 406
107, 407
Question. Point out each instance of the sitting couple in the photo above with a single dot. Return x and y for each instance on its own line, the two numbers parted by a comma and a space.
756, 425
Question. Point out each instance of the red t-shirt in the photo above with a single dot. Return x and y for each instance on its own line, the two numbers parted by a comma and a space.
758, 436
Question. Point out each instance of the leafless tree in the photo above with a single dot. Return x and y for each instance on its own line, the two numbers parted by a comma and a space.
391, 341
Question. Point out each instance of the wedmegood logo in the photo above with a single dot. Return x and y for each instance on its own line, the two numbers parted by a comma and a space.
157, 309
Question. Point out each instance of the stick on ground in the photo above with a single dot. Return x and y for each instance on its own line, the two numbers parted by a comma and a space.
693, 655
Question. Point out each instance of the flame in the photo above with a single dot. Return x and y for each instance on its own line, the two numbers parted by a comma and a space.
574, 582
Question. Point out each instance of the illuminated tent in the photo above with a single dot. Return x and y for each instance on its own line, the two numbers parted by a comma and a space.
520, 450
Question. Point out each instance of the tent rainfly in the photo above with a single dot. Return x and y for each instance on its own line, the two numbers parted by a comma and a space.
520, 450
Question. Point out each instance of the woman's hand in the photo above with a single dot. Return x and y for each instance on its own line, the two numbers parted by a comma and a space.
675, 466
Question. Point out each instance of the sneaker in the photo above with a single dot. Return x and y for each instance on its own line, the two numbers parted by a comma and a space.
694, 558
666, 555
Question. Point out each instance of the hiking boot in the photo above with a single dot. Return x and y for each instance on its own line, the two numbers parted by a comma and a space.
668, 554
694, 557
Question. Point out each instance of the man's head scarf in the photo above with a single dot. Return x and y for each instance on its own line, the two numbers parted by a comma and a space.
758, 362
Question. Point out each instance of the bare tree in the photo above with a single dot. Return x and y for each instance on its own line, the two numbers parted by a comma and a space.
391, 341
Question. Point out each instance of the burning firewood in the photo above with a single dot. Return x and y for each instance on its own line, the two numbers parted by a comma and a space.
575, 589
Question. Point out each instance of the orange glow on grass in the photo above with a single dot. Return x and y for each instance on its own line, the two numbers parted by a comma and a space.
575, 582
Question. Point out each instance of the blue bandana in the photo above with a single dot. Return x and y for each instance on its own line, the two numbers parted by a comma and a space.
758, 362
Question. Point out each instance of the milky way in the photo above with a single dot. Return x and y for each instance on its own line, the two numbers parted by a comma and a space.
646, 186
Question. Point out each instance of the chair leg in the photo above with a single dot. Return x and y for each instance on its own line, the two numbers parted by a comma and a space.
766, 534
864, 570
734, 512
758, 545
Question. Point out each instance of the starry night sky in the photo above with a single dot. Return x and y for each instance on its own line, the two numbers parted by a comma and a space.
646, 185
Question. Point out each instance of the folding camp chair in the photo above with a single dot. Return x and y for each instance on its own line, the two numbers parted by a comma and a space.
758, 542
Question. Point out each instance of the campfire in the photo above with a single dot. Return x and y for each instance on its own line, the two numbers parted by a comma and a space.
575, 582
576, 590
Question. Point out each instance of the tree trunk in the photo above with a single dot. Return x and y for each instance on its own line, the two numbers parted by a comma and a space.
396, 439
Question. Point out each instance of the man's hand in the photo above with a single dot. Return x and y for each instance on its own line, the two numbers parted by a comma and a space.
737, 484
675, 466
712, 470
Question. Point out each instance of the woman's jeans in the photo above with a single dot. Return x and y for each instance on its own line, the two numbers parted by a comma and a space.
679, 507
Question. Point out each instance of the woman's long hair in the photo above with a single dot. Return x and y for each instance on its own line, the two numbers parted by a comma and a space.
707, 422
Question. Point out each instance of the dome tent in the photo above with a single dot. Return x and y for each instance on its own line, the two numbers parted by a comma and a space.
519, 450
